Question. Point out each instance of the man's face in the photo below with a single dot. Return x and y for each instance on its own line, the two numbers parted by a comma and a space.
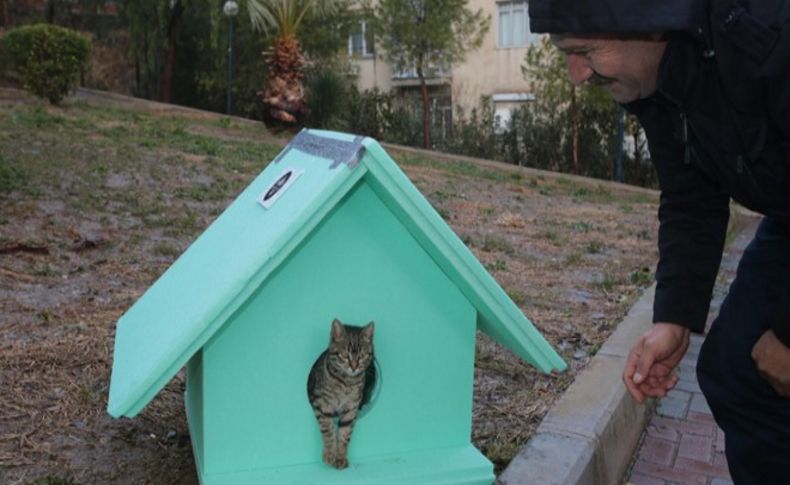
626, 67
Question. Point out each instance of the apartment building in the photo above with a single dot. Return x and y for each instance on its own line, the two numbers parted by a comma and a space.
493, 70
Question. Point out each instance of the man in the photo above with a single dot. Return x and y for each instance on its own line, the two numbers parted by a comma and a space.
709, 81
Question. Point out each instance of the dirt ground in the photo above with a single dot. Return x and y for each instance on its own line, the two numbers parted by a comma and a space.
96, 201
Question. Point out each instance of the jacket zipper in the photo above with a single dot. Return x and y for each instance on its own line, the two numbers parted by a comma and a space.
684, 137
741, 167
689, 153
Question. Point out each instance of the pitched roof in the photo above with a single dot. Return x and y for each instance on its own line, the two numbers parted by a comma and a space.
191, 301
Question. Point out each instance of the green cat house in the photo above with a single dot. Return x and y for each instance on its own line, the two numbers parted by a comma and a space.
331, 228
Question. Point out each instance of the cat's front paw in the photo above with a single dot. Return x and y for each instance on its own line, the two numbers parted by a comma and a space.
341, 462
329, 457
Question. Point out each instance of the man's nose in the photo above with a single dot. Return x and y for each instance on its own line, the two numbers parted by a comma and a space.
579, 69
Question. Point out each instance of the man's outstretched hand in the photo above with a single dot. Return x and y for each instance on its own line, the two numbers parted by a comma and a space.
648, 368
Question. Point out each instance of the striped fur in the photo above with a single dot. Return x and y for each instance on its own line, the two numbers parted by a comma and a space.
339, 384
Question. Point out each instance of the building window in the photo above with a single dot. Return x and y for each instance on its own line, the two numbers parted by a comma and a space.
360, 42
504, 105
513, 24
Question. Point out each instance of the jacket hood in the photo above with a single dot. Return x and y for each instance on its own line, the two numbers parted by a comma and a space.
612, 16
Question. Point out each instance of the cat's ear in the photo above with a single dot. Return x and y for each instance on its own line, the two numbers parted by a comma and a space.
337, 329
367, 330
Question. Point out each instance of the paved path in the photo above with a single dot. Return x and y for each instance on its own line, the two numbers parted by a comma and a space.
682, 443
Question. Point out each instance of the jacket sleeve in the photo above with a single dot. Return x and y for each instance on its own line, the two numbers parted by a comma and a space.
776, 71
693, 225
693, 216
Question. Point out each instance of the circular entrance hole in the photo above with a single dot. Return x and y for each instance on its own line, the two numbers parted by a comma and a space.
369, 394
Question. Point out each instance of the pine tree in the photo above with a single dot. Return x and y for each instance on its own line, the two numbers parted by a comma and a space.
421, 34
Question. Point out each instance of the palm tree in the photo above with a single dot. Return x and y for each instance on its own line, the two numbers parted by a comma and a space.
283, 95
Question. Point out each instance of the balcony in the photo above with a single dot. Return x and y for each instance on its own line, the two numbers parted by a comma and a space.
434, 75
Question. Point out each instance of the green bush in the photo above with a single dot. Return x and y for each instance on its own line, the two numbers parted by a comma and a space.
474, 135
48, 59
379, 115
326, 97
368, 112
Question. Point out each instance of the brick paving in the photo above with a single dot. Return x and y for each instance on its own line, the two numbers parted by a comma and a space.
682, 443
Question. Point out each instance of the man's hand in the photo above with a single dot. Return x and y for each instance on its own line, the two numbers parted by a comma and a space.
773, 362
648, 368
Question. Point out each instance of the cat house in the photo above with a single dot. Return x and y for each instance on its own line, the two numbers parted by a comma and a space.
330, 229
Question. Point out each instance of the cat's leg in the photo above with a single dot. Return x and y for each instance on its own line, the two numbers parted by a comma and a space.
327, 427
344, 428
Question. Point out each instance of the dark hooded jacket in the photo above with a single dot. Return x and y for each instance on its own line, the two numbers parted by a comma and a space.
718, 127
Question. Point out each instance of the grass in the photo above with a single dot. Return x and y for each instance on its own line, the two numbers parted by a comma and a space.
494, 243
498, 265
607, 282
573, 259
443, 195
579, 191
597, 194
443, 213
642, 277
55, 481
37, 117
11, 177
167, 250
487, 211
626, 208
502, 453
226, 123
459, 168
73, 150
46, 317
594, 247
553, 236
516, 295
582, 227
45, 271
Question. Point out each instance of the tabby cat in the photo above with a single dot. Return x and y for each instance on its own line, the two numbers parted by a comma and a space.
340, 383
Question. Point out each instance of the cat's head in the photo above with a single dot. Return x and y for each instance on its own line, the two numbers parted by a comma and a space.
351, 347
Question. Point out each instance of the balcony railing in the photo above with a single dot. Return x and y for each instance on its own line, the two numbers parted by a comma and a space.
432, 72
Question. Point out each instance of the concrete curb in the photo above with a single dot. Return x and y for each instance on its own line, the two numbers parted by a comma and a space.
589, 435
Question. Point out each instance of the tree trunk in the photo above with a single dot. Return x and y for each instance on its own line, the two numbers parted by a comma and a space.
426, 110
166, 85
575, 126
6, 17
50, 11
283, 96
637, 144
